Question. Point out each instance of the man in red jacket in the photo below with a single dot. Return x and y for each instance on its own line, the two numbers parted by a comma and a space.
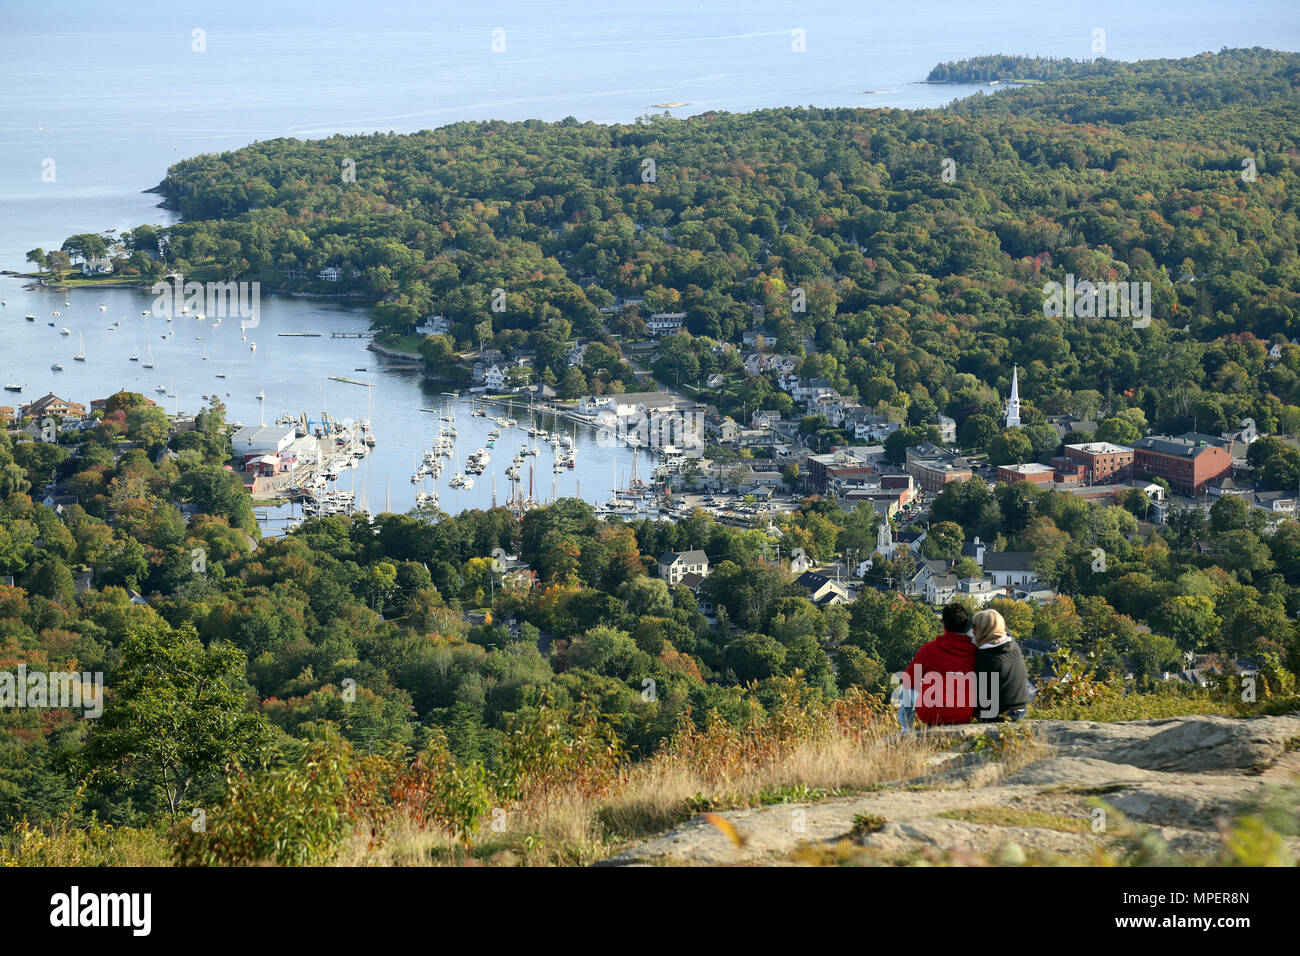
940, 681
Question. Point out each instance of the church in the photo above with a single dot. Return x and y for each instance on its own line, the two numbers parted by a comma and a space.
1013, 403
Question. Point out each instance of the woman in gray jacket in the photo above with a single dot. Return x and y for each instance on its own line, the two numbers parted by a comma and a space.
1001, 678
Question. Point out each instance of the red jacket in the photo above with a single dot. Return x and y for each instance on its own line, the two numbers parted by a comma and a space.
944, 699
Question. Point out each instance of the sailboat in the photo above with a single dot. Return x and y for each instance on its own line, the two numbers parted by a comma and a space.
148, 364
81, 349
205, 351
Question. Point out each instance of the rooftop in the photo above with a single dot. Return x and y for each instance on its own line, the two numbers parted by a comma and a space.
1186, 445
1100, 448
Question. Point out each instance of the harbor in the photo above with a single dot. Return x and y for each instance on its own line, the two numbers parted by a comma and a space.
298, 377
468, 444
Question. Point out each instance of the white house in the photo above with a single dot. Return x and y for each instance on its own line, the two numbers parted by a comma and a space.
665, 323
96, 267
495, 376
435, 325
674, 564
940, 588
591, 404
330, 274
978, 589
810, 389
1010, 568
873, 428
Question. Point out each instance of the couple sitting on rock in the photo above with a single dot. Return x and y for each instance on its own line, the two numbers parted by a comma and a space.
959, 676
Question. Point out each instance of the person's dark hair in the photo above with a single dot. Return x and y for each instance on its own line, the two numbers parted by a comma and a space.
956, 618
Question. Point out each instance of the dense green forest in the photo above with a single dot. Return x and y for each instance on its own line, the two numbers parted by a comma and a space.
1000, 67
922, 290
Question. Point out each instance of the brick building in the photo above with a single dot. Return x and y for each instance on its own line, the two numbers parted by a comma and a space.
1188, 462
1038, 474
1102, 461
933, 467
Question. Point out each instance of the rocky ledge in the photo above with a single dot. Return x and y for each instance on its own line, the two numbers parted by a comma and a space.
1054, 790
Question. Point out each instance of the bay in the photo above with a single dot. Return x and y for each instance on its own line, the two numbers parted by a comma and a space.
294, 374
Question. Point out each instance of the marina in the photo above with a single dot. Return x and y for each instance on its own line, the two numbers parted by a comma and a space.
301, 375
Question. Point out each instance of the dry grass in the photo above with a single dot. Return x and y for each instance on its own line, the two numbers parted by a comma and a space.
671, 786
800, 752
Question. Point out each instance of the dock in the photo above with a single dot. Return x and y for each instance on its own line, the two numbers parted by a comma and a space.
350, 381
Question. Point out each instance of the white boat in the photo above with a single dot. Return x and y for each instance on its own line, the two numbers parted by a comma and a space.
65, 331
56, 367
81, 349
148, 364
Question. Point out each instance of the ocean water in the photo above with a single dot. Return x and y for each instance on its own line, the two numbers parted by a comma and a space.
112, 95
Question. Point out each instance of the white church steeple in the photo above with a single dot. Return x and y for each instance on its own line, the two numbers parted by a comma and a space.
1013, 403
